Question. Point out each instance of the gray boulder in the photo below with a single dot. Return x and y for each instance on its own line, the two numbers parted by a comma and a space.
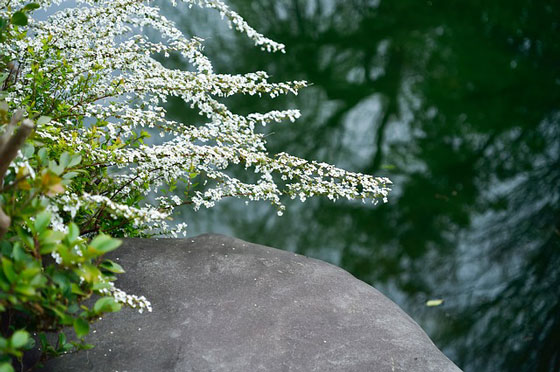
222, 304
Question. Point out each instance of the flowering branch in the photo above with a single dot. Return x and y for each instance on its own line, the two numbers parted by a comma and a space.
109, 76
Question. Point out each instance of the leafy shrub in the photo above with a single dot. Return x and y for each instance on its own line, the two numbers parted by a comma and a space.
88, 82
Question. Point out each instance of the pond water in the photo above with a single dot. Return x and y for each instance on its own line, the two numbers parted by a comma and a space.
459, 104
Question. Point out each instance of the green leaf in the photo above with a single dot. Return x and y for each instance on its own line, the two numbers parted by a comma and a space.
77, 290
5, 248
80, 346
76, 159
30, 272
55, 168
51, 236
112, 267
106, 305
42, 221
3, 24
388, 167
73, 308
432, 303
25, 289
6, 367
47, 248
69, 175
100, 285
8, 268
62, 281
64, 159
66, 347
81, 326
42, 155
104, 243
43, 120
31, 6
73, 232
38, 281
19, 19
28, 150
89, 272
19, 339
61, 340
43, 340
18, 254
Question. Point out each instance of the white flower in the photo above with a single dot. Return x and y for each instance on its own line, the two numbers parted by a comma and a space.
101, 42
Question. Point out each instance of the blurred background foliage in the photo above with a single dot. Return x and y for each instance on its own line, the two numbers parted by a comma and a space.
458, 103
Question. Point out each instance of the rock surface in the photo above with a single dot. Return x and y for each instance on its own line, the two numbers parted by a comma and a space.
222, 304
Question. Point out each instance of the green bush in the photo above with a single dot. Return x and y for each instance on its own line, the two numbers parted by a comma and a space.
46, 274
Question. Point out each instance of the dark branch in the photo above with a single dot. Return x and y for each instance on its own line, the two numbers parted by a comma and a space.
10, 144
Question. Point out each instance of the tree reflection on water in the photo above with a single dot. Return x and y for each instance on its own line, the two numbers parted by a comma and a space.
458, 103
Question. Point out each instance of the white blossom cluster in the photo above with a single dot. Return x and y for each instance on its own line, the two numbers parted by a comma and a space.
136, 302
114, 79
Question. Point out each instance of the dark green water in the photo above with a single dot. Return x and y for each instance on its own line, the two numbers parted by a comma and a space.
458, 102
